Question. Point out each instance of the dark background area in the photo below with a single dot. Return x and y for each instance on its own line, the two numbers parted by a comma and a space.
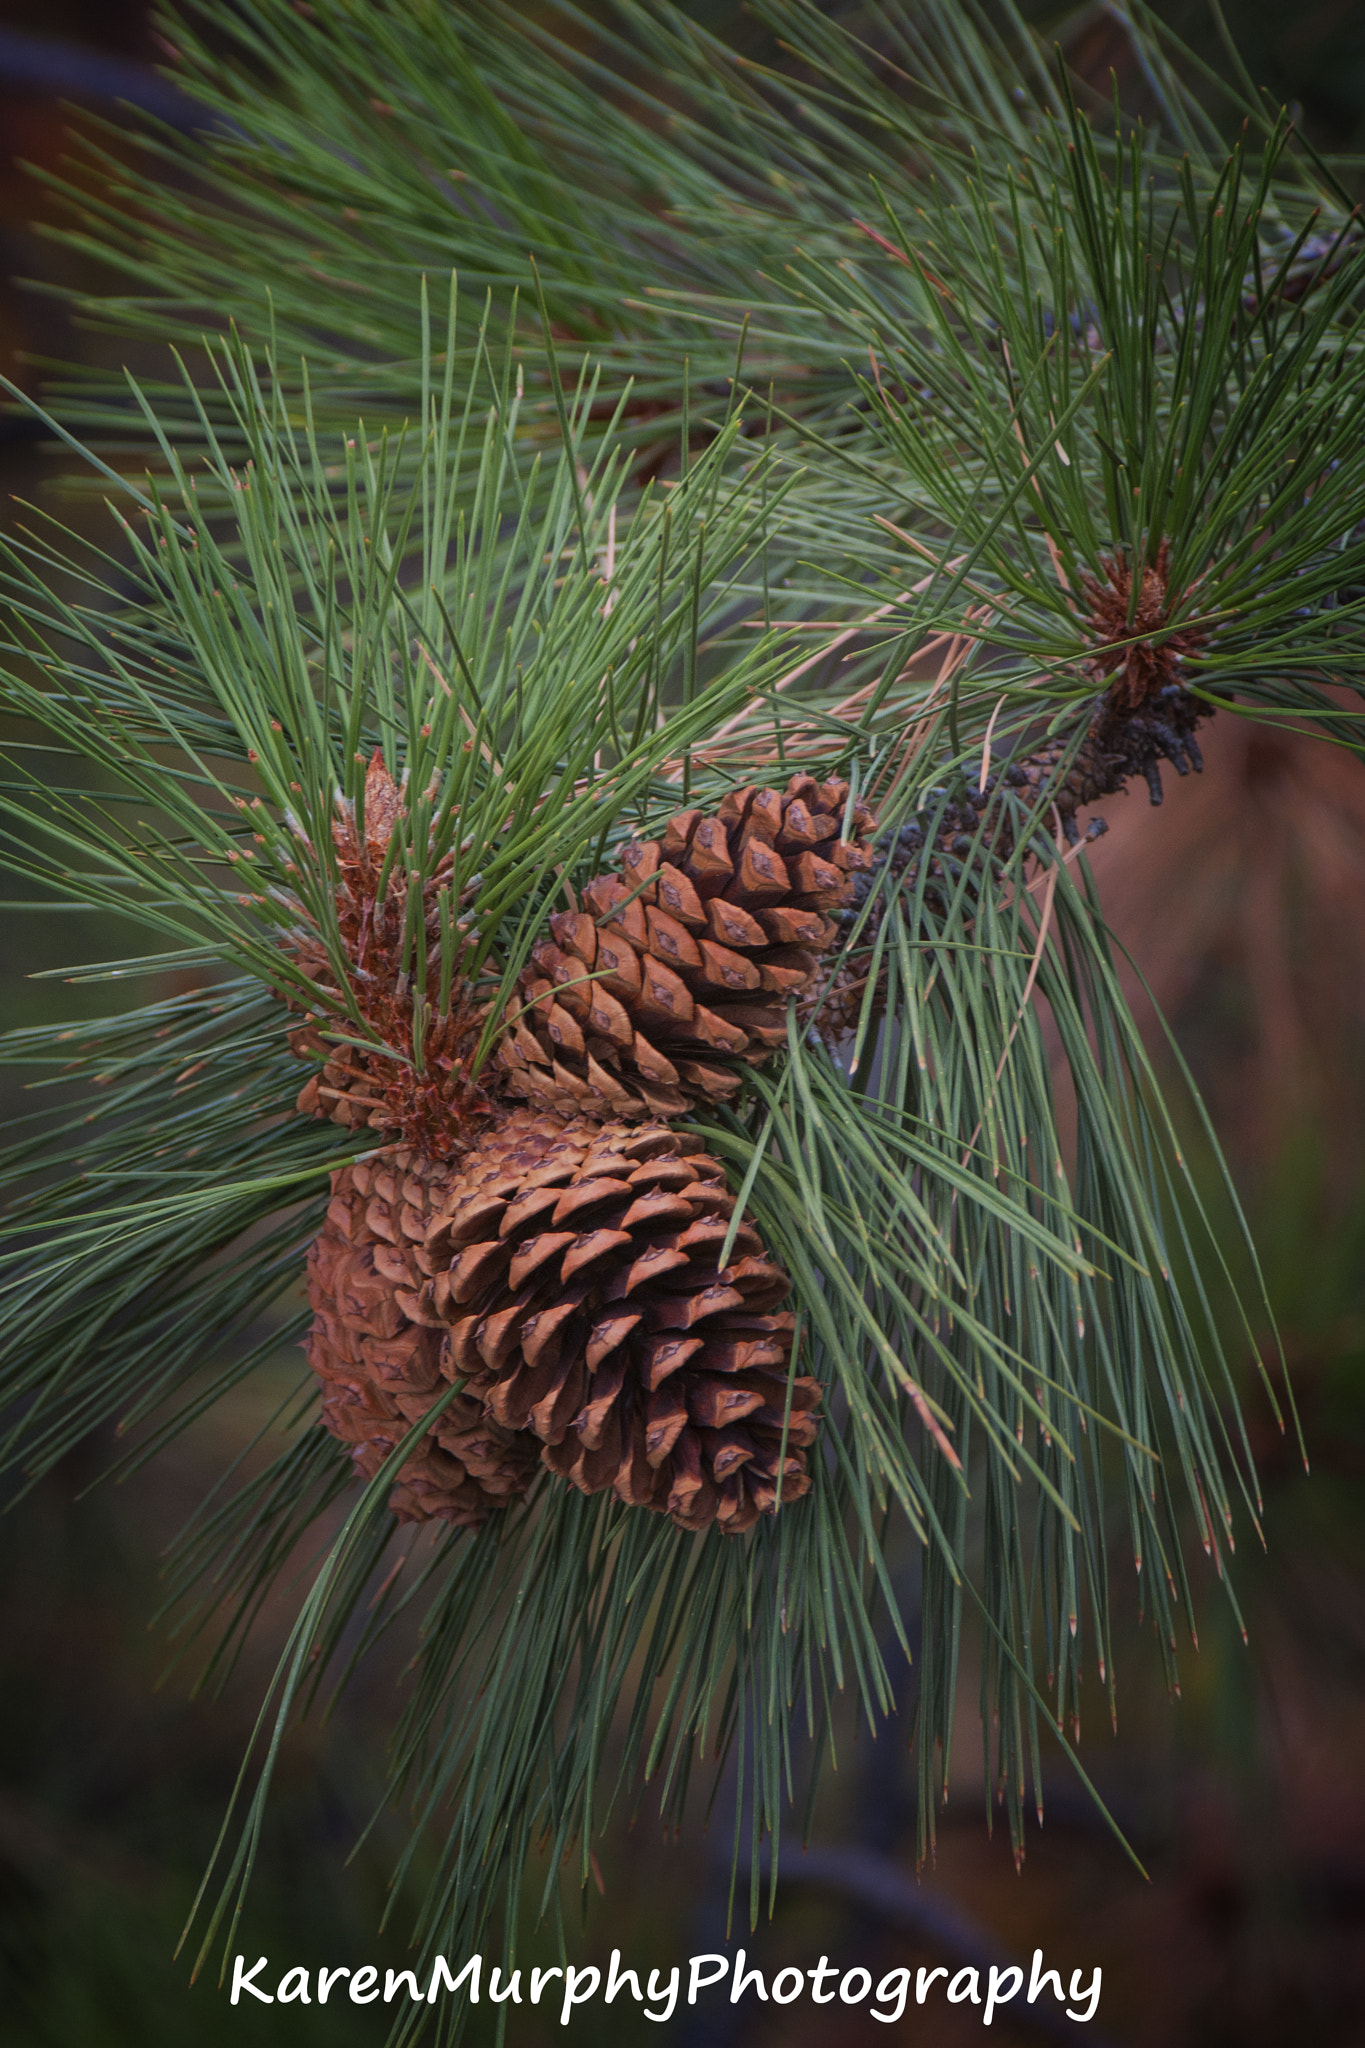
1242, 899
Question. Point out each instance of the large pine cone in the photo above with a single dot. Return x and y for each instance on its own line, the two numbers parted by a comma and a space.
698, 944
577, 1265
380, 1369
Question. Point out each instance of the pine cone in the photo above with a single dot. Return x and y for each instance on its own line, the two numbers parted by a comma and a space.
380, 1086
698, 943
577, 1265
380, 1368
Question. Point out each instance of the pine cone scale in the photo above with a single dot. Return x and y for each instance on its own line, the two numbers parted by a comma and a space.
735, 926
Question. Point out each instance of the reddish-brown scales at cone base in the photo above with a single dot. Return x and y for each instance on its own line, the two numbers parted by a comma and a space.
380, 1369
382, 1087
361, 1086
686, 958
1136, 658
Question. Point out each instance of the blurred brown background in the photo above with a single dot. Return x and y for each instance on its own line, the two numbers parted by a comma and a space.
1243, 899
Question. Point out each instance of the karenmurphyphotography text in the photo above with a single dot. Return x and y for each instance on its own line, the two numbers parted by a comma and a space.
569, 1986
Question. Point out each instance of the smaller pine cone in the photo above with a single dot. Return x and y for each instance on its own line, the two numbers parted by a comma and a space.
695, 948
577, 1265
378, 1086
380, 1369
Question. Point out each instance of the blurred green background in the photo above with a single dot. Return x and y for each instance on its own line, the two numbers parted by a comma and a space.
1243, 901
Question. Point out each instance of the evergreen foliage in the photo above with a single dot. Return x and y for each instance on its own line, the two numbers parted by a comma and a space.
887, 410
